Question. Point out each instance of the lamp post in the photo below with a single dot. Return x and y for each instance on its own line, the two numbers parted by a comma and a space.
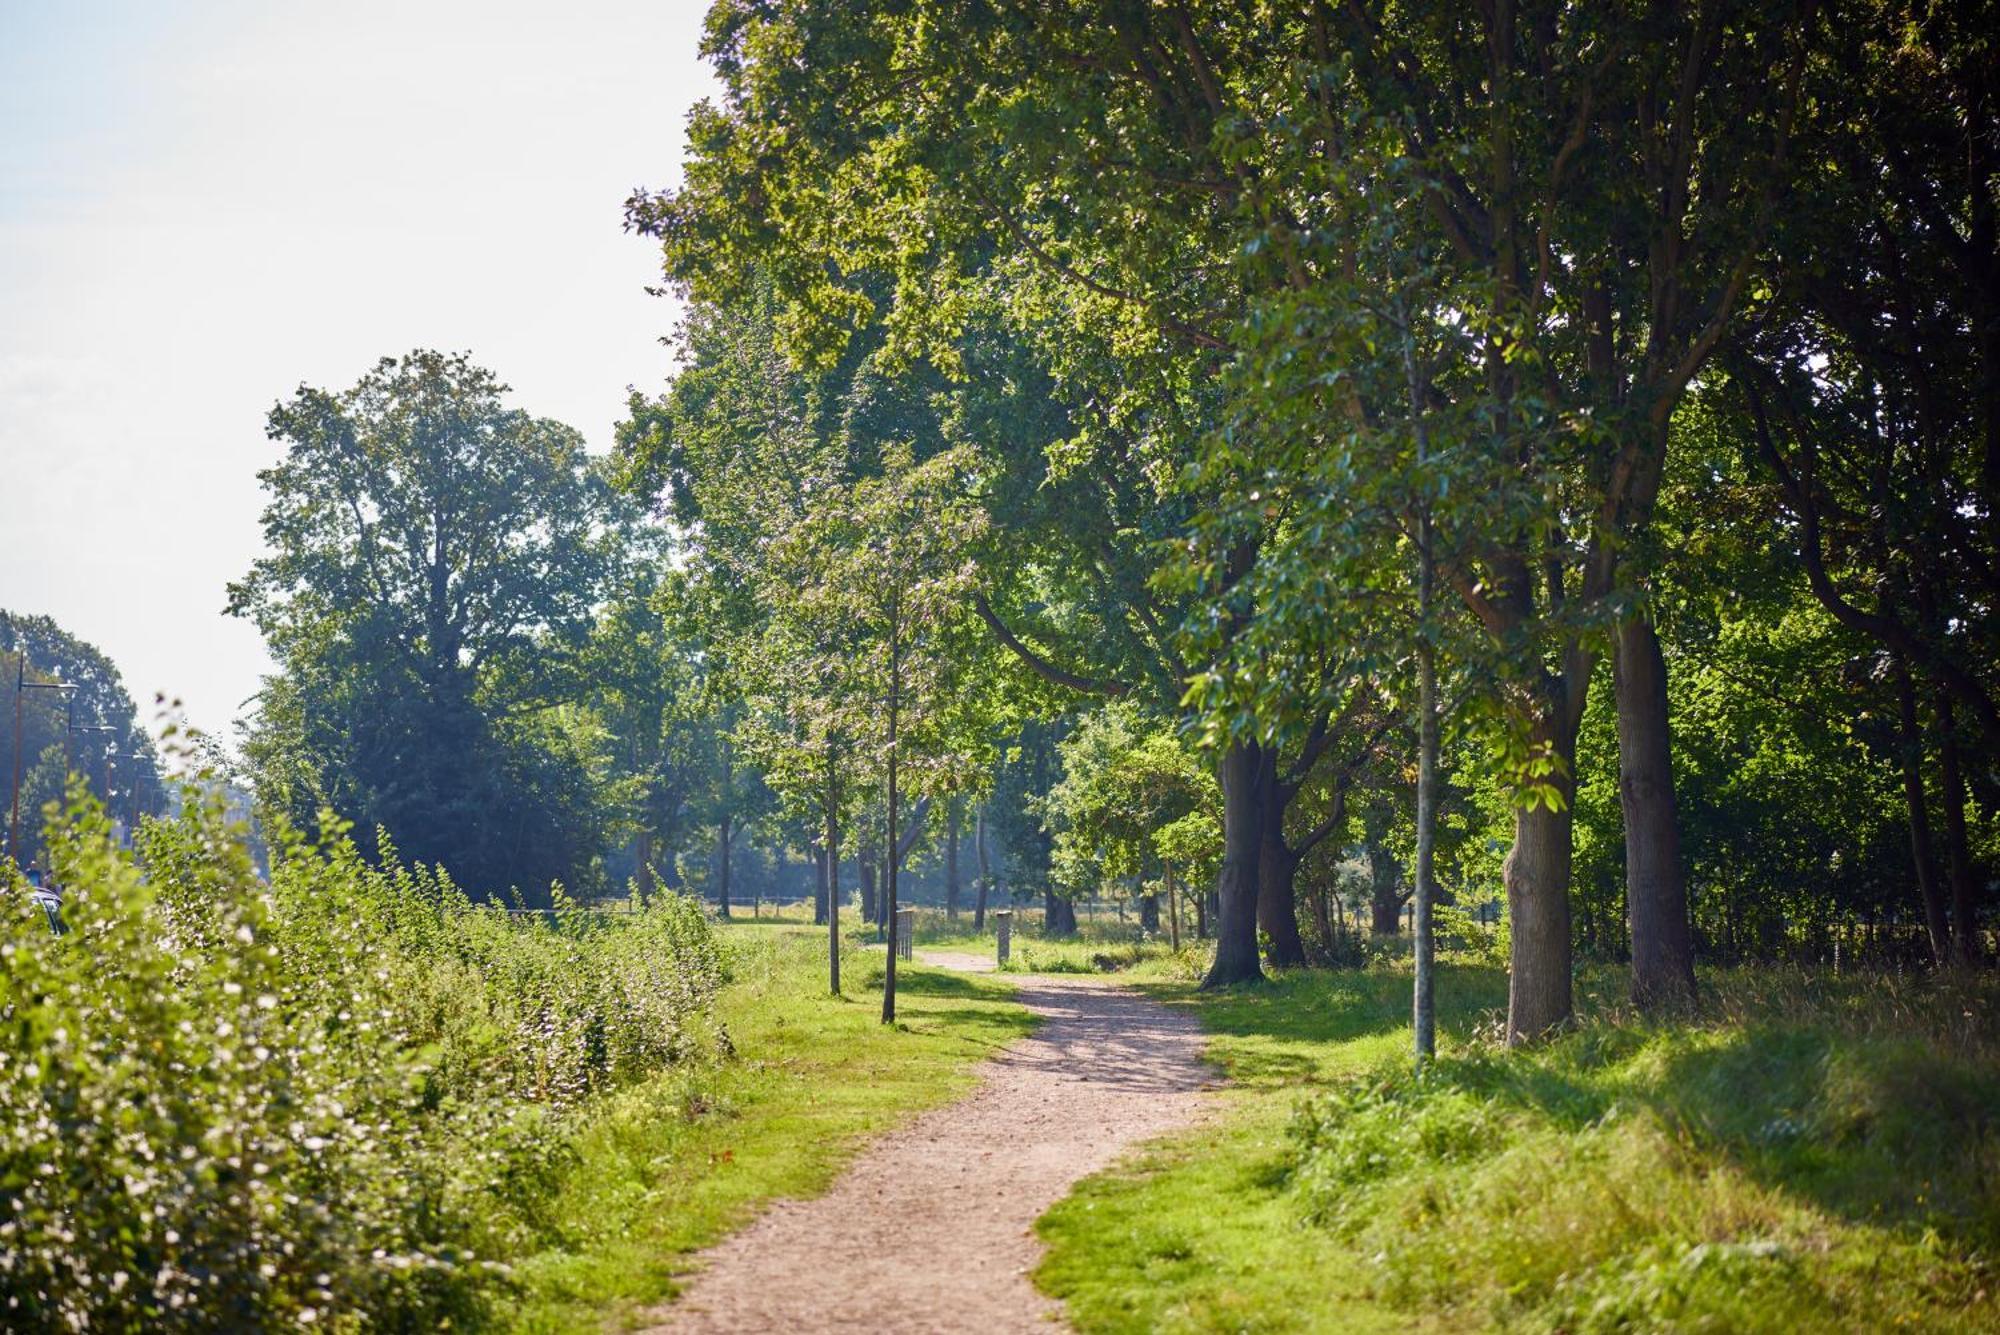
21, 687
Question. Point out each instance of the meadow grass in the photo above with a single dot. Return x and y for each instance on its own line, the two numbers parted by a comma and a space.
1807, 1153
673, 1164
1101, 945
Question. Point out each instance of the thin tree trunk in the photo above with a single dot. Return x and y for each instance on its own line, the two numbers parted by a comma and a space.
1958, 857
1423, 1012
1922, 852
951, 860
822, 895
723, 836
985, 870
889, 892
1173, 909
1237, 885
833, 887
1656, 899
1277, 898
645, 869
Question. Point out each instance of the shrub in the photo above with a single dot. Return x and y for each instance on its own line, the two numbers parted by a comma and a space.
338, 1098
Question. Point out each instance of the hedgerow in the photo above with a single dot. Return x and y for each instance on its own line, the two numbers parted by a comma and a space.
340, 1098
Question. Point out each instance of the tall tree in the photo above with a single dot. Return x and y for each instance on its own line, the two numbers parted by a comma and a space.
435, 558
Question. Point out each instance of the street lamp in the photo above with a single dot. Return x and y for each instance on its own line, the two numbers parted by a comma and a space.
21, 687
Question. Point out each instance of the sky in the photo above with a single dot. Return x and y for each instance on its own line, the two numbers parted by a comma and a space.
206, 204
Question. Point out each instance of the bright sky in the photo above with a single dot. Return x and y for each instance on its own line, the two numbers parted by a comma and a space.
204, 204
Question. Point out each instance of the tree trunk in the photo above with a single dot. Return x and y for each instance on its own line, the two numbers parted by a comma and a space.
1149, 914
1058, 915
723, 837
645, 869
1237, 887
1656, 899
1922, 853
889, 890
867, 866
822, 890
1423, 1012
1277, 900
985, 870
951, 860
832, 882
1958, 857
1537, 877
1386, 897
1173, 909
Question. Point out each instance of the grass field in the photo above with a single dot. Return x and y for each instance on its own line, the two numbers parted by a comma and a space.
676, 1163
1819, 1155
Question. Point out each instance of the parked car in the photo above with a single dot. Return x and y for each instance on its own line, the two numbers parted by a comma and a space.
48, 897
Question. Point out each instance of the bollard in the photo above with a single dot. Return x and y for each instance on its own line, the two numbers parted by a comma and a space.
906, 933
1003, 931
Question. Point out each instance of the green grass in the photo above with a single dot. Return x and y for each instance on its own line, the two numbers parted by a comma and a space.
1806, 1155
676, 1163
1101, 945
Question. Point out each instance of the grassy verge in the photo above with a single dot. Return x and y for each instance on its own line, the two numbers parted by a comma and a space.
1806, 1155
674, 1164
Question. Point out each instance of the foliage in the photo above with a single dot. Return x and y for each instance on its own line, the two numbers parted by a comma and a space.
435, 558
1125, 791
97, 723
340, 1098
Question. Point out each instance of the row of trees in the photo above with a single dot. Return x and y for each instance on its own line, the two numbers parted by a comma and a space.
1329, 455
67, 715
1328, 379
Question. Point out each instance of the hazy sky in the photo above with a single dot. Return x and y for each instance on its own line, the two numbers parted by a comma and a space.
204, 204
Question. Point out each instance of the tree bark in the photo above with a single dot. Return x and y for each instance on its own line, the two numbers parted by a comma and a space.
1237, 886
867, 866
951, 860
1655, 882
1922, 853
985, 870
1958, 857
1277, 866
1149, 913
644, 875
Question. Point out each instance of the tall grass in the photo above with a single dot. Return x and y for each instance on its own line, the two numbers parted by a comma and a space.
1812, 1154
340, 1098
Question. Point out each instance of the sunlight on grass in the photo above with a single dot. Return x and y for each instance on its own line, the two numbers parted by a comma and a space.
1810, 1154
674, 1164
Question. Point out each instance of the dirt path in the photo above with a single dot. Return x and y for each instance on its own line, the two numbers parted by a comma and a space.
929, 1228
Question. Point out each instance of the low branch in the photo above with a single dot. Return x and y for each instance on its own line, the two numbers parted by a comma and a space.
1043, 667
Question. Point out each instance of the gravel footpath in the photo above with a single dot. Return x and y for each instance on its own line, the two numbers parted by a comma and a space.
930, 1228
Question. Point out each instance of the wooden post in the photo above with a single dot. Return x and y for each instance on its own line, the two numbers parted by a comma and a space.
1003, 932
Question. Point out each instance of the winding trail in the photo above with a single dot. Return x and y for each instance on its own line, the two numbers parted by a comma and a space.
930, 1228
